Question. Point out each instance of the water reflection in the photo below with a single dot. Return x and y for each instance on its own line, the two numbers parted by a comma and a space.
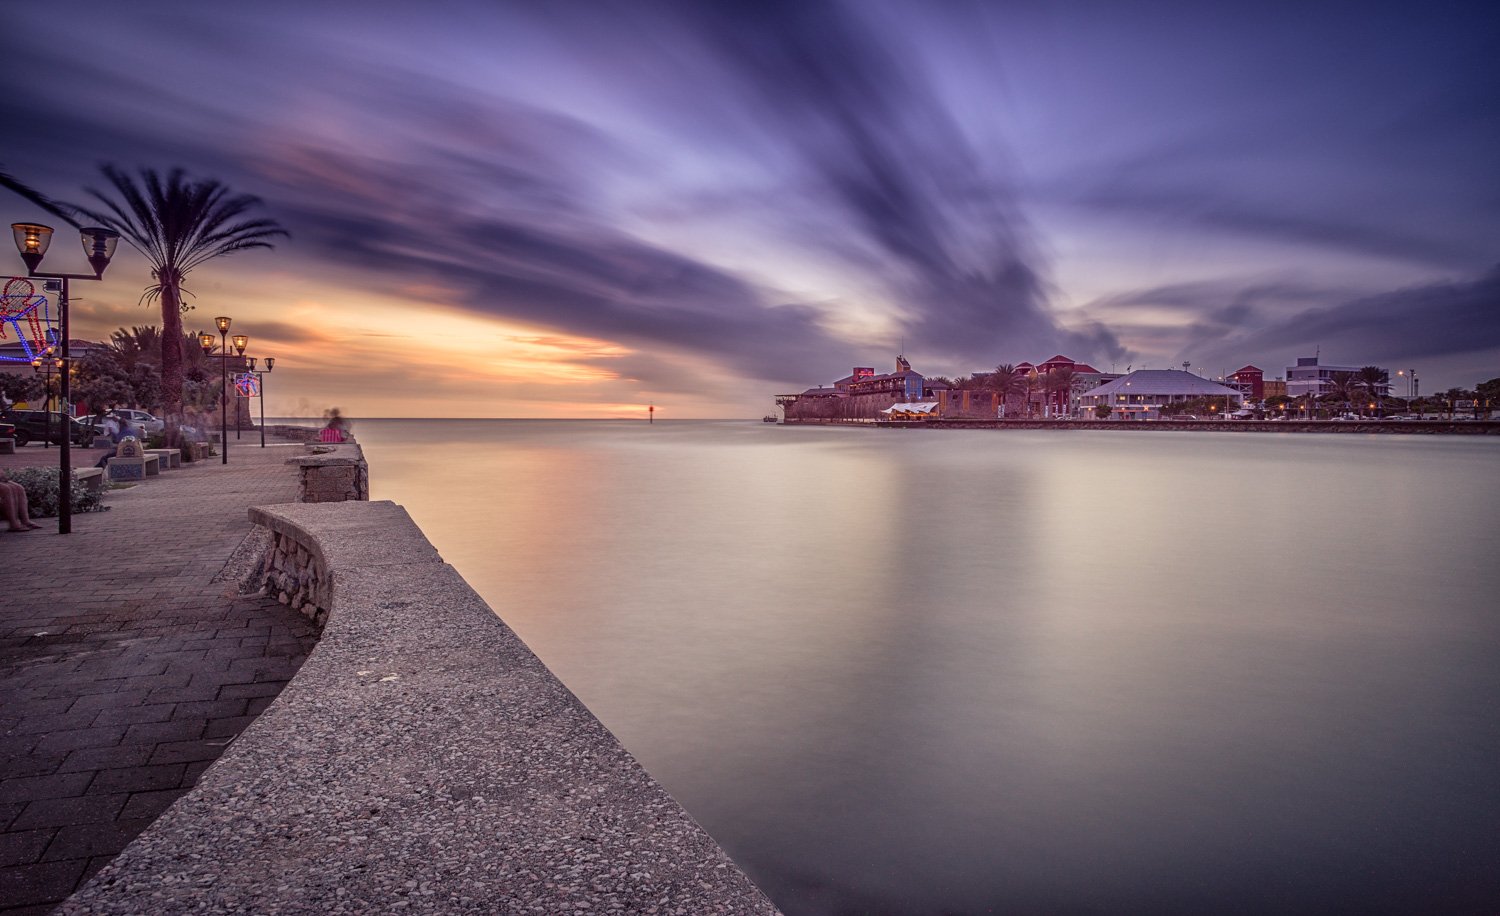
943, 672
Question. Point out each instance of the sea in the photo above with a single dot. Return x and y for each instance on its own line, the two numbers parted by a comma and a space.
941, 672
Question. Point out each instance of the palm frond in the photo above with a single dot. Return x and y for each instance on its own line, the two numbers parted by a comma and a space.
56, 208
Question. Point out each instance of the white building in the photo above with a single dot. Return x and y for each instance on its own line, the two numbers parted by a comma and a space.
1141, 394
1312, 377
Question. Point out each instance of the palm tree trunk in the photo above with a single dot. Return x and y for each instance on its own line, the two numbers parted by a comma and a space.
171, 359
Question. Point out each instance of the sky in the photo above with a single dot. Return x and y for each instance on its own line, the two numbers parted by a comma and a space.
576, 209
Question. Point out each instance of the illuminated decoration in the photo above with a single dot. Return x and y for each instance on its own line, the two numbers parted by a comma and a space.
247, 384
26, 313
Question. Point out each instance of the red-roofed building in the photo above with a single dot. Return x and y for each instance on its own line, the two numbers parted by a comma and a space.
1054, 402
1250, 382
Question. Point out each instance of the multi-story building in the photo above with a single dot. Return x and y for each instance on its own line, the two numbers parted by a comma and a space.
1055, 402
1248, 381
1312, 377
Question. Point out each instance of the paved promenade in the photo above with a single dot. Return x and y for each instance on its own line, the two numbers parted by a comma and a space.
125, 668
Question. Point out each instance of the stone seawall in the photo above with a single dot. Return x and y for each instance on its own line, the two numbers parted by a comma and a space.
331, 473
422, 760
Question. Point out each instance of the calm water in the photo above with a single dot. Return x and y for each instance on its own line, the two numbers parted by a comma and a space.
959, 672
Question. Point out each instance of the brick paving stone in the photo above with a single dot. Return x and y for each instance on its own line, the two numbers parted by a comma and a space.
228, 728
135, 715
150, 804
77, 739
107, 758
31, 765
263, 689
46, 882
117, 678
22, 847
65, 812
157, 732
8, 814
88, 840
138, 779
57, 785
188, 751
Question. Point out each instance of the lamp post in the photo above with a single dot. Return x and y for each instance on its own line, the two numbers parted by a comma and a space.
241, 341
44, 363
206, 340
99, 244
260, 387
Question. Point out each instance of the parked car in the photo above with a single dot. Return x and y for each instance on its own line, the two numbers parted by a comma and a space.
39, 425
7, 431
140, 419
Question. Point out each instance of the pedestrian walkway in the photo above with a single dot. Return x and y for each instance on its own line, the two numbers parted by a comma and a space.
125, 668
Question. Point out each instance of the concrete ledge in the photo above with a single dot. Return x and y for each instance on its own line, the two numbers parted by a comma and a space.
423, 759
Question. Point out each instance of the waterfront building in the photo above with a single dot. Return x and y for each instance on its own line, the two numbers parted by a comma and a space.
1050, 401
1312, 377
1249, 381
1141, 394
861, 395
1273, 388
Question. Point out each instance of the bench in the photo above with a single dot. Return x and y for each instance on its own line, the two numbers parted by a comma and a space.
130, 461
7, 446
93, 478
170, 457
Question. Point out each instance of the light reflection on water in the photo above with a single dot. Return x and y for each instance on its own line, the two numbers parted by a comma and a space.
899, 671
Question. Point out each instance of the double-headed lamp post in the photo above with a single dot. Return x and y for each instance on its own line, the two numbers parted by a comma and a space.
99, 244
241, 341
260, 388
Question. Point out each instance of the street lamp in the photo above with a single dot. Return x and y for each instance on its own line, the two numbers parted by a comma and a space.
241, 341
99, 244
45, 362
260, 389
206, 340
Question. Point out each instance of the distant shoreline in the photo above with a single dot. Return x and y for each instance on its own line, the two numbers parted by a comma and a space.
1397, 427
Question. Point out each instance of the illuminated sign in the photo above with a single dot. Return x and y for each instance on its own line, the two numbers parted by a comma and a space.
247, 384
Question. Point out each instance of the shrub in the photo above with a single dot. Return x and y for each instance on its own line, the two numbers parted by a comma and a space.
41, 492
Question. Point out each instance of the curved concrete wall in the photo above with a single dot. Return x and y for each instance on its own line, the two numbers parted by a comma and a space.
422, 759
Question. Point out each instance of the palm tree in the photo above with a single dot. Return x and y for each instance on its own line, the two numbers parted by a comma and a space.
1344, 387
1008, 381
137, 345
59, 210
1376, 381
178, 224
1059, 387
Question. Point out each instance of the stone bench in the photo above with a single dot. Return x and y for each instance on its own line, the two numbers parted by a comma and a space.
119, 468
196, 451
130, 461
93, 478
170, 457
7, 446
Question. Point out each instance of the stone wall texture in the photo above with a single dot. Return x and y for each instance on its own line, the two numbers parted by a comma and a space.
332, 473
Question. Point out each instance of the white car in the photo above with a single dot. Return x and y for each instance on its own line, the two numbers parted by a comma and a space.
141, 419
